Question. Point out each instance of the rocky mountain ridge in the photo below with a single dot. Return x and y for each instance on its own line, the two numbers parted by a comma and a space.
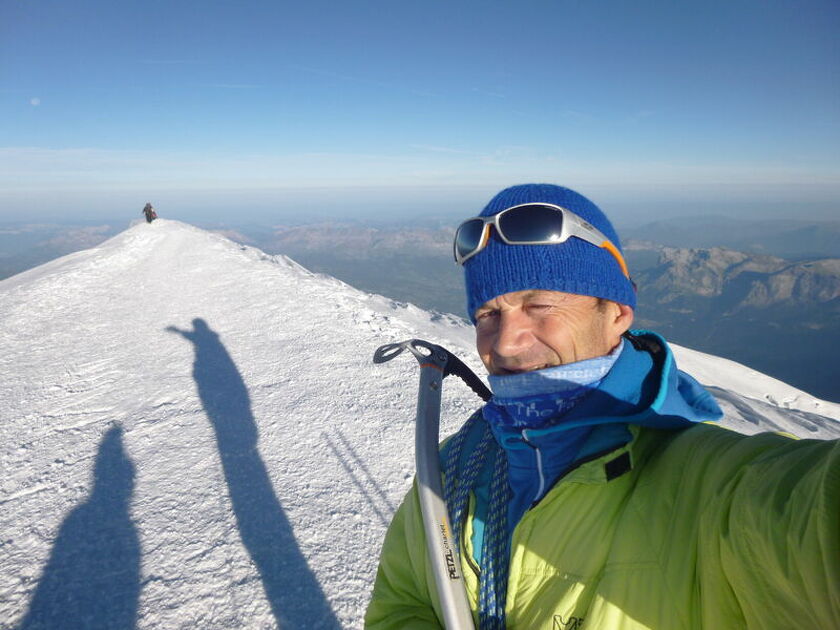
740, 279
777, 315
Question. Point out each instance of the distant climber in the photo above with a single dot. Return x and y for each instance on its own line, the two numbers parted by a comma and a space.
150, 213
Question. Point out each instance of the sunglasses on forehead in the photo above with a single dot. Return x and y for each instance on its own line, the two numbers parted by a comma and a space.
530, 224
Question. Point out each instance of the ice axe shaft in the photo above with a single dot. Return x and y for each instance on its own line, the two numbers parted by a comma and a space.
435, 364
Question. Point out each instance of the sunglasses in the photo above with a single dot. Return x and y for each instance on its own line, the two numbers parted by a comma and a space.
530, 224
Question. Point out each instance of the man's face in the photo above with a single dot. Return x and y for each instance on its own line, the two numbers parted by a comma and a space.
532, 330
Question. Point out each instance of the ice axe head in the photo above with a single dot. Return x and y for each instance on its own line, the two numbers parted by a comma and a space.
422, 350
437, 357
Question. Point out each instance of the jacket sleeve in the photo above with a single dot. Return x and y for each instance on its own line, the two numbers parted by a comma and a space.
780, 547
403, 594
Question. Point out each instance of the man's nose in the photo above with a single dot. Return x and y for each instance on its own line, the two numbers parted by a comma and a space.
515, 334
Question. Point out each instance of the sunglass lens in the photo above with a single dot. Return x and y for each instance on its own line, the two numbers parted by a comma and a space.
468, 237
533, 223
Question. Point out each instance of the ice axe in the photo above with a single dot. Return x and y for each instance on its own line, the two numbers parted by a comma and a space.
436, 363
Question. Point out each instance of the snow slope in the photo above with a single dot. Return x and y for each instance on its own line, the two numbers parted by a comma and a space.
192, 434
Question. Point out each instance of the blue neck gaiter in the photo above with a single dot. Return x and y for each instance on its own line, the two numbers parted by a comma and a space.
539, 399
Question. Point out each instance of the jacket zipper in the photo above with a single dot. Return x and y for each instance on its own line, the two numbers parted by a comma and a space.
470, 562
538, 454
463, 546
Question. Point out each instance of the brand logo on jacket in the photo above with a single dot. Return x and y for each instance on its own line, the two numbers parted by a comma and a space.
574, 623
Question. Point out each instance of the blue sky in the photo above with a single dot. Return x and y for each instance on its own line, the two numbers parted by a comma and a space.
264, 108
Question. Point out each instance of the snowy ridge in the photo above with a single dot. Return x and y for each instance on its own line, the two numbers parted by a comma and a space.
213, 413
755, 402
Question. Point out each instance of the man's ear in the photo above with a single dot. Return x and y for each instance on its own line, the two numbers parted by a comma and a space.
622, 318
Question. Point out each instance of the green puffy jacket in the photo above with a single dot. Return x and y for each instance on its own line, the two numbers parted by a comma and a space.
706, 528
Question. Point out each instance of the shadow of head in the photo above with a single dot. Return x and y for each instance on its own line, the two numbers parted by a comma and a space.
113, 471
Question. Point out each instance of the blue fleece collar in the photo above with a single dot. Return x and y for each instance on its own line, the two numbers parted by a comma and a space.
646, 388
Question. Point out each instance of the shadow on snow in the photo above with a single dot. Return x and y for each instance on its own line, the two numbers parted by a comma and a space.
92, 579
296, 598
344, 453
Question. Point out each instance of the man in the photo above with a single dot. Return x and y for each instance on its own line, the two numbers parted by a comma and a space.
589, 492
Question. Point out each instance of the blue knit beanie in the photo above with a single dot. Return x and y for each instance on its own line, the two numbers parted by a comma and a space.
573, 266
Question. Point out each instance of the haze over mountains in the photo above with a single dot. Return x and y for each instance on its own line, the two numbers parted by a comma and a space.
25, 245
193, 434
764, 293
793, 238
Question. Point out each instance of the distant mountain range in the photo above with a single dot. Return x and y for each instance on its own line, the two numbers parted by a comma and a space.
735, 280
408, 264
775, 315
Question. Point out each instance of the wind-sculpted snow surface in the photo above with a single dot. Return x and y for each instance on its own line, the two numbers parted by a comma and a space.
193, 434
